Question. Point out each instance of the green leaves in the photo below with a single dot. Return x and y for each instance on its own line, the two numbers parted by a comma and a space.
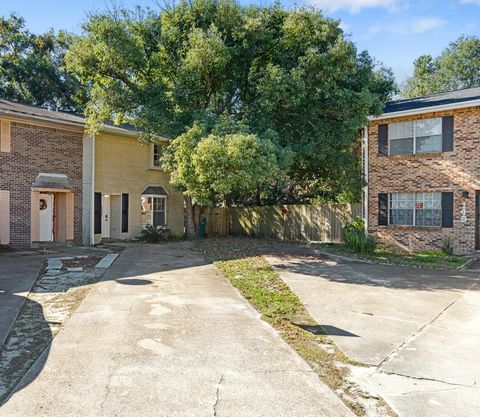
219, 76
458, 66
216, 168
32, 68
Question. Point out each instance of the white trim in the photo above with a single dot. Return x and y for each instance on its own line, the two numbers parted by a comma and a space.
365, 163
430, 109
151, 208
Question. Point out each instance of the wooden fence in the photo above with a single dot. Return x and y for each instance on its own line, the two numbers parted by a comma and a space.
290, 222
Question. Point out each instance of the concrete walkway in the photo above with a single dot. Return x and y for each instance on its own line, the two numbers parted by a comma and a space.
165, 335
418, 329
17, 275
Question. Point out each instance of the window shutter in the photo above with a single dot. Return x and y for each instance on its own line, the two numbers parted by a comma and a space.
97, 213
447, 209
124, 213
383, 139
447, 133
383, 209
5, 136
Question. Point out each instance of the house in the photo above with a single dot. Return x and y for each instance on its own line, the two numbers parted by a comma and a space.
60, 184
130, 189
422, 167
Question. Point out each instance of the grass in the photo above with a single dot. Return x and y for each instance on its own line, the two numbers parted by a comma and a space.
261, 285
6, 249
430, 259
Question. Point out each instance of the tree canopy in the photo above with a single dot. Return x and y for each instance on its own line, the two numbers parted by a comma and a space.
32, 69
458, 66
292, 78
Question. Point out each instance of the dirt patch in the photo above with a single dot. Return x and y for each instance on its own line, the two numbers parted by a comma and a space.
47, 307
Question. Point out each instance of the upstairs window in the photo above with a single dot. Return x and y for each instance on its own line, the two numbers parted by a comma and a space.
415, 137
157, 154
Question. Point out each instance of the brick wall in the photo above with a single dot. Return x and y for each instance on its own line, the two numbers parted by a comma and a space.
36, 149
455, 171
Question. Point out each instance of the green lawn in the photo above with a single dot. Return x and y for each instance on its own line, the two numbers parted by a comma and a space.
431, 259
239, 261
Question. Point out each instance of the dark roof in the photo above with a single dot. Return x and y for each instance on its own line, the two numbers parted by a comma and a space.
451, 97
23, 110
154, 190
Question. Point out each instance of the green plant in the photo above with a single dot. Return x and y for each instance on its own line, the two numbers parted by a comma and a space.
356, 239
152, 234
447, 245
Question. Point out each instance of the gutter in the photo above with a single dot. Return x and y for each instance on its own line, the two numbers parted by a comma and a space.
430, 109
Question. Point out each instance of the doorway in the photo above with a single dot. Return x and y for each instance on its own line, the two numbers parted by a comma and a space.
46, 217
105, 215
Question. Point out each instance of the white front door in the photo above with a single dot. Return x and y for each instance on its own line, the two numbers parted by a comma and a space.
46, 204
105, 215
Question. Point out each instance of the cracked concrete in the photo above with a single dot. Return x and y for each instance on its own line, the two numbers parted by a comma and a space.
418, 330
207, 352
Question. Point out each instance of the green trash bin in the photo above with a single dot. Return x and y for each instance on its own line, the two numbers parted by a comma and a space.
202, 227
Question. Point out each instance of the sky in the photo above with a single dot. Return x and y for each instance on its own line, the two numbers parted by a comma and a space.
395, 32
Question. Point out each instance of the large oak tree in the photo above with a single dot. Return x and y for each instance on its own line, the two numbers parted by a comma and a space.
292, 79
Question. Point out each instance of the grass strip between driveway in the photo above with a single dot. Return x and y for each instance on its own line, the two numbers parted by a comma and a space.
422, 259
262, 286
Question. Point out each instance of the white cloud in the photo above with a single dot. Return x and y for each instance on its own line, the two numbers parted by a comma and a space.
424, 24
470, 2
353, 6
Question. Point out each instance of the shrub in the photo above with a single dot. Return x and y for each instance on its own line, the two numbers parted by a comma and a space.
356, 239
151, 234
447, 245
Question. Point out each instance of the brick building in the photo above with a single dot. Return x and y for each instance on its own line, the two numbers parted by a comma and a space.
59, 184
422, 166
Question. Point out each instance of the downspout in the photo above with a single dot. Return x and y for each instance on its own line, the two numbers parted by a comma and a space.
365, 176
92, 199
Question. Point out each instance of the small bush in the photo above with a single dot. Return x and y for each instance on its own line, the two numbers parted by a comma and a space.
356, 239
151, 234
447, 245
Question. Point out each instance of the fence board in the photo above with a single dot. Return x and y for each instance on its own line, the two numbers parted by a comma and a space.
290, 222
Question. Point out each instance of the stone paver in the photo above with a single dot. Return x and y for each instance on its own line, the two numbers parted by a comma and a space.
165, 335
417, 328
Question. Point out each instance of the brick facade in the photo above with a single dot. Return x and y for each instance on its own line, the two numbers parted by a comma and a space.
36, 149
455, 171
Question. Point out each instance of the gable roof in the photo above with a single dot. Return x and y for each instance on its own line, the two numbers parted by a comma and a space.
436, 102
24, 111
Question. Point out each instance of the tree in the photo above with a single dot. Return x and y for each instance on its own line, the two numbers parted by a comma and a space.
458, 66
32, 68
290, 77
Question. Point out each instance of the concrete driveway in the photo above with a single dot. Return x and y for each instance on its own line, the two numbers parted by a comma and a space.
165, 335
418, 329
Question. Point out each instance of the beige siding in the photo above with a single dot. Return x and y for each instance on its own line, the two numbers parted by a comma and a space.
122, 165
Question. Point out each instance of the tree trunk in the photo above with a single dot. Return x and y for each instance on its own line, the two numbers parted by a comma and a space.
189, 221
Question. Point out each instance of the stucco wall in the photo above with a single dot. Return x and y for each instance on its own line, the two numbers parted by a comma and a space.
122, 165
455, 171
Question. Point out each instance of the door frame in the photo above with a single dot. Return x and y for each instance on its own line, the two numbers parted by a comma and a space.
477, 220
106, 211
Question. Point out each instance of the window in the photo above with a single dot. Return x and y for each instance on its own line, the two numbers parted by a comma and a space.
415, 209
157, 153
418, 136
155, 209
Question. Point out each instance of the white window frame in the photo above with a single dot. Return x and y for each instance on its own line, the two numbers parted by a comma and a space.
414, 209
147, 196
414, 150
152, 156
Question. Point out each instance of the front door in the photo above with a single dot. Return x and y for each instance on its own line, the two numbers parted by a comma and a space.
105, 215
46, 207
